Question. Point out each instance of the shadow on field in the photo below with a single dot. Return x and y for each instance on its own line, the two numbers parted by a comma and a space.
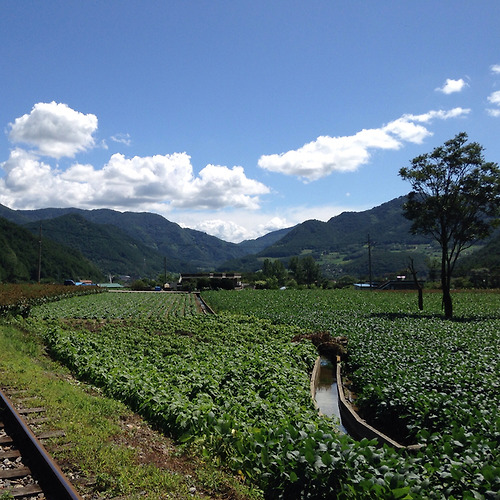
457, 319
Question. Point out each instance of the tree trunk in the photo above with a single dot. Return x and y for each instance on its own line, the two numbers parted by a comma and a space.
413, 271
445, 284
447, 303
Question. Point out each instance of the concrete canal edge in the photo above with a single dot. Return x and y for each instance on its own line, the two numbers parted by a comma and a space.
314, 382
204, 306
357, 427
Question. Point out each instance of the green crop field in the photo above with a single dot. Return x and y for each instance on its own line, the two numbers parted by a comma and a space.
418, 377
121, 305
236, 387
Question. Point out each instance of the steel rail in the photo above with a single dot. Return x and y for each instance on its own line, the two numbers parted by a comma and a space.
49, 475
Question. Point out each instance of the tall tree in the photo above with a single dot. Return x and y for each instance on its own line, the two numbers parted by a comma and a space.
275, 269
455, 198
305, 270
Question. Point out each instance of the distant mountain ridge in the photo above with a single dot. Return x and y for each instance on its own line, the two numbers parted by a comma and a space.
340, 245
142, 244
259, 244
385, 224
185, 249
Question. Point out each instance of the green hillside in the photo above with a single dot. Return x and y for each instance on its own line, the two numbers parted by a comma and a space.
19, 257
257, 245
183, 248
108, 247
346, 232
341, 244
482, 266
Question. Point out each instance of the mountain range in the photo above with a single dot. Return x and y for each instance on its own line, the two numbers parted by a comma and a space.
145, 244
131, 243
24, 257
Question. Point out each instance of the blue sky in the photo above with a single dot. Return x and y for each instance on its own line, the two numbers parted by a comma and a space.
237, 117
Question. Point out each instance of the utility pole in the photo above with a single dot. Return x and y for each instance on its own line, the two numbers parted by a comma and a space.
370, 261
40, 252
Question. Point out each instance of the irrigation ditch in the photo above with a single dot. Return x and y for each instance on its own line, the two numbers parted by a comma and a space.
333, 399
330, 396
206, 309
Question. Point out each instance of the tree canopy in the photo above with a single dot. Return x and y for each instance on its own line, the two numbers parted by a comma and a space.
455, 198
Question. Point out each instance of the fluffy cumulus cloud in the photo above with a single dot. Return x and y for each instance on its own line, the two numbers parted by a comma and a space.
495, 68
452, 86
219, 186
326, 154
55, 130
156, 183
224, 229
138, 183
236, 227
495, 98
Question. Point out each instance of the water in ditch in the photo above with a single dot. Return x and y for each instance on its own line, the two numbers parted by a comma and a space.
326, 392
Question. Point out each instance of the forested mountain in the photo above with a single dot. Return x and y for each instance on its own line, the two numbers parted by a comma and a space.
483, 265
140, 244
183, 248
19, 258
259, 244
341, 244
110, 248
344, 233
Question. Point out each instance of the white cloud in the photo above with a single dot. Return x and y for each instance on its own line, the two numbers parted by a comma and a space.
439, 114
122, 139
139, 183
223, 229
273, 225
55, 130
219, 186
495, 68
494, 98
404, 129
30, 183
326, 154
452, 86
23, 171
233, 225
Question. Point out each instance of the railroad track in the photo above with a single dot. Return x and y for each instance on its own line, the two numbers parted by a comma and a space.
26, 469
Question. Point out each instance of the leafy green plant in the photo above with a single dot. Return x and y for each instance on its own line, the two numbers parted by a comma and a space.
237, 388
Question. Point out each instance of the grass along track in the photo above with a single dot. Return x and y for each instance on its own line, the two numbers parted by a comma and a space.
107, 451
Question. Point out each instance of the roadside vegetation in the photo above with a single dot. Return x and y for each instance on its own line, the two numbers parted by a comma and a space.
19, 299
